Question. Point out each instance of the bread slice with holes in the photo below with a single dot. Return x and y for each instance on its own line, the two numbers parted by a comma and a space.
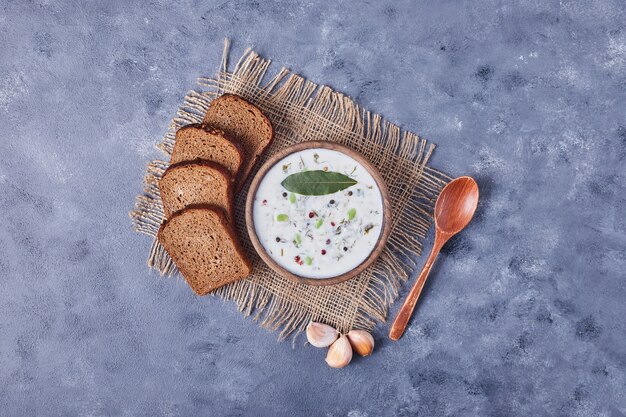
243, 122
198, 141
196, 182
204, 247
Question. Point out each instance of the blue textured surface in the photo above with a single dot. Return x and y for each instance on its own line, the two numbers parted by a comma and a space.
525, 313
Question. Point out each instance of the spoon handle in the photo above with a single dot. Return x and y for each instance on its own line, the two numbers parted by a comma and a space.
402, 319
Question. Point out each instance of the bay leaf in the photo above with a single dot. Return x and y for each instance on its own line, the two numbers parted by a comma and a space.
317, 182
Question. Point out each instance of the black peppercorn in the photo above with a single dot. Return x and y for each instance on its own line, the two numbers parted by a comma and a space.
345, 249
349, 192
284, 194
332, 201
277, 239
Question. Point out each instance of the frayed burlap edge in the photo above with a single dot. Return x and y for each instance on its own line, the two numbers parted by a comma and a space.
300, 111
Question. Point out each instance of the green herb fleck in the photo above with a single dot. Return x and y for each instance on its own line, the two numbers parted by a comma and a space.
292, 198
319, 223
368, 228
297, 240
353, 170
308, 260
282, 218
351, 214
286, 167
316, 158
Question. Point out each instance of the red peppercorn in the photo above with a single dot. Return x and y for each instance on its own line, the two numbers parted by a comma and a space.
323, 251
264, 202
332, 224
328, 241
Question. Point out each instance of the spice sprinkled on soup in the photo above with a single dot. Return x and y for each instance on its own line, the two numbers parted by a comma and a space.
318, 213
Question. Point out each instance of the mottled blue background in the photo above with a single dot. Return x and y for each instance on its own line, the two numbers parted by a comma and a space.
525, 314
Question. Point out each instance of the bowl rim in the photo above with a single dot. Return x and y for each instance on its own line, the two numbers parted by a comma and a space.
386, 221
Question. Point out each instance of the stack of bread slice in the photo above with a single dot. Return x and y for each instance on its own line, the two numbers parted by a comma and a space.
210, 162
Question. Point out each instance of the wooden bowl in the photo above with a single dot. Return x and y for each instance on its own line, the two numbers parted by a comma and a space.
386, 215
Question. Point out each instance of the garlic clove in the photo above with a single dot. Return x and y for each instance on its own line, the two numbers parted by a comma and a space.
321, 335
362, 342
339, 353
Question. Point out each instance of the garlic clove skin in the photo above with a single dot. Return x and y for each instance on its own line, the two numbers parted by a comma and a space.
362, 342
340, 353
321, 335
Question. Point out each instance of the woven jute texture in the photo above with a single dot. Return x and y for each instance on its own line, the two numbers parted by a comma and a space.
300, 110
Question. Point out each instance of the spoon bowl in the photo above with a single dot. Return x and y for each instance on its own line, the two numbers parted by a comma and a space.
456, 205
454, 209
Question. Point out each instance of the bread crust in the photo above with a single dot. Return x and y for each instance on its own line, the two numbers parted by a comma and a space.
199, 161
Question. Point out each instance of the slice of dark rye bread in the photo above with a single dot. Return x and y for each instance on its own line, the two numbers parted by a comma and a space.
200, 141
246, 124
196, 182
204, 247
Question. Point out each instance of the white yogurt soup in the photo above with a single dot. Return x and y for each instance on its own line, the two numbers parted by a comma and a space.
318, 236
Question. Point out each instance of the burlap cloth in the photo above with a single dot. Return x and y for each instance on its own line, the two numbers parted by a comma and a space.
300, 110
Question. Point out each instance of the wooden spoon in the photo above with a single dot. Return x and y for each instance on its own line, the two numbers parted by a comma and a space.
454, 209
